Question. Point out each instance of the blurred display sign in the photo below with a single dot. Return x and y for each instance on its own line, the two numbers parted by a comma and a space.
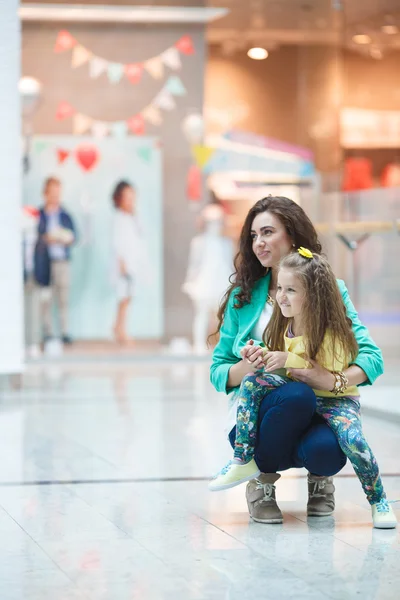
361, 128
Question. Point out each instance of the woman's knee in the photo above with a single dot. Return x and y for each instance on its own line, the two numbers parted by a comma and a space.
322, 452
298, 396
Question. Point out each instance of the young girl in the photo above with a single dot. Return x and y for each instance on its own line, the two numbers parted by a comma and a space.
309, 323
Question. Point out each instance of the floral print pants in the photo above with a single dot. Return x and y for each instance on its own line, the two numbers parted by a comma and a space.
342, 415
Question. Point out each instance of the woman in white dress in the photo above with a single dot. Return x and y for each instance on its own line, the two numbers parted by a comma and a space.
126, 247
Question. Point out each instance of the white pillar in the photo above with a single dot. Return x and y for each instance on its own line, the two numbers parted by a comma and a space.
11, 316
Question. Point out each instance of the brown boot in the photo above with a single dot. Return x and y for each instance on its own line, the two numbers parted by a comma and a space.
321, 499
260, 495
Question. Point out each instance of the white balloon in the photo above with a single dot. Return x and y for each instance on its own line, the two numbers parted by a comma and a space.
193, 128
30, 90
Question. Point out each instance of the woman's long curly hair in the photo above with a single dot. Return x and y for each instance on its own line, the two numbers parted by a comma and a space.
323, 310
248, 269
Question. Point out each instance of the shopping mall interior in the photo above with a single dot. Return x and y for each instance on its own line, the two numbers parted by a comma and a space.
137, 137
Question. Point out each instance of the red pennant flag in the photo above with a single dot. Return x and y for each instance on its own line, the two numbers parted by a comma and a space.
134, 72
136, 124
62, 155
185, 45
64, 111
64, 41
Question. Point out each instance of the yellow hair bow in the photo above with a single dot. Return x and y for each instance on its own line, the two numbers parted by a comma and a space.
305, 252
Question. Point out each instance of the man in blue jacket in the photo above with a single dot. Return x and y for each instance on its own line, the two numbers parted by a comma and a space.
56, 234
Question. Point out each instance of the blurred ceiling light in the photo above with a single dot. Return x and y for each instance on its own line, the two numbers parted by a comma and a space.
257, 53
390, 29
361, 38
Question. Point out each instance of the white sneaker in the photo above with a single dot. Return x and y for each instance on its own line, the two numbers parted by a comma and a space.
383, 516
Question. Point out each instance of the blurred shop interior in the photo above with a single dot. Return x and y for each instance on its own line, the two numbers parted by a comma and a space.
201, 109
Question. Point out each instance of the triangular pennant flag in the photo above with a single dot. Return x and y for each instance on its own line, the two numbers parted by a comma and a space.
152, 114
115, 72
62, 155
185, 45
136, 124
80, 56
64, 41
171, 58
119, 129
202, 154
81, 123
175, 86
64, 110
100, 129
39, 146
155, 67
97, 66
134, 72
145, 154
164, 100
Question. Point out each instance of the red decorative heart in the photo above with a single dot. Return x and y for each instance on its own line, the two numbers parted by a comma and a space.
87, 156
62, 155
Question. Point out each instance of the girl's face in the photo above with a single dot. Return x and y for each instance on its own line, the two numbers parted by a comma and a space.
270, 241
290, 294
127, 202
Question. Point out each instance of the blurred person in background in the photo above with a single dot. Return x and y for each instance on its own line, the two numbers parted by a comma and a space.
127, 253
30, 219
209, 268
56, 235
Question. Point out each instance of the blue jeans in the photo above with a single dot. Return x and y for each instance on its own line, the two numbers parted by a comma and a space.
291, 434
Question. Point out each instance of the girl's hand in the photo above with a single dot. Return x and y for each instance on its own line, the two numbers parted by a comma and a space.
253, 355
316, 377
275, 360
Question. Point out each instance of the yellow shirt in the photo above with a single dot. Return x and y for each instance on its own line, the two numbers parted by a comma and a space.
333, 361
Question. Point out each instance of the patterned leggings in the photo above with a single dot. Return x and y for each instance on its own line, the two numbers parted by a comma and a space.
342, 415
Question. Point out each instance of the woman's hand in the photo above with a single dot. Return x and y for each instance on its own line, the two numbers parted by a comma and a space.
316, 376
253, 355
275, 360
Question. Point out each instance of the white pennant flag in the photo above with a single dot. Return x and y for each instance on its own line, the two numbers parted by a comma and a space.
80, 55
152, 114
155, 67
100, 129
165, 100
81, 123
171, 58
97, 66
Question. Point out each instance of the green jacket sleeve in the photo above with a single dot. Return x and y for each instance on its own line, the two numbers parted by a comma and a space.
369, 357
223, 357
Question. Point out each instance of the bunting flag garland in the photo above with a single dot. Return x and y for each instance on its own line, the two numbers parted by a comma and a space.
152, 113
80, 56
132, 71
87, 156
64, 41
202, 154
64, 111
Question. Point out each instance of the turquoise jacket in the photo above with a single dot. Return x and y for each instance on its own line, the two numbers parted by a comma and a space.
239, 322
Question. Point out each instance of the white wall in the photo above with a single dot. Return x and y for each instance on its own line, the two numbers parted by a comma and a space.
11, 319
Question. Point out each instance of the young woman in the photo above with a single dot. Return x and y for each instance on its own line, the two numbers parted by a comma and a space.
309, 322
290, 433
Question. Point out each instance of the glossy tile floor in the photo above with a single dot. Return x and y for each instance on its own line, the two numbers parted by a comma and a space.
103, 497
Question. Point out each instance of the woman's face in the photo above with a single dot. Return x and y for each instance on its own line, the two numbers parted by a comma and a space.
127, 202
270, 241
